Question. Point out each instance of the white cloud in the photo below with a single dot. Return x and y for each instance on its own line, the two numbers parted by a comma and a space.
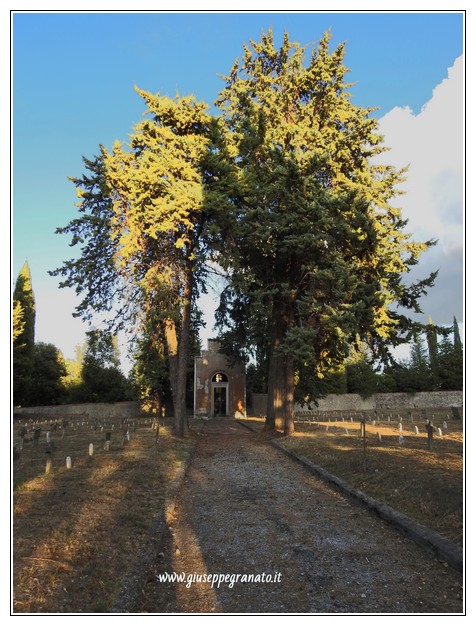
431, 143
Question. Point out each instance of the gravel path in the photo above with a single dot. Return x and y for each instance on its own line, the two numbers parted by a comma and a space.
247, 509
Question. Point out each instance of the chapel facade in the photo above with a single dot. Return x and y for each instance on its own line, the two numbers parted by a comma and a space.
219, 386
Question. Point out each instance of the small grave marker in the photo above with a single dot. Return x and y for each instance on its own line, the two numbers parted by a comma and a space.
429, 430
23, 432
68, 462
456, 414
91, 449
36, 436
416, 430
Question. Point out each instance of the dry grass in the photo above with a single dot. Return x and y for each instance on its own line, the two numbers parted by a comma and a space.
77, 531
426, 485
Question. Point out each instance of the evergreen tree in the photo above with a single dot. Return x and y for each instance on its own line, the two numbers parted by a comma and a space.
360, 374
419, 370
47, 375
101, 377
433, 358
142, 230
159, 218
450, 360
315, 248
23, 335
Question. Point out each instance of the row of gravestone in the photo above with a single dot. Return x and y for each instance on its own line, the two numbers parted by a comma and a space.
322, 416
31, 427
50, 447
429, 428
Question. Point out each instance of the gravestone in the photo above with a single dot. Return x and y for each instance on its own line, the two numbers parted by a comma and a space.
68, 462
401, 440
23, 432
440, 432
400, 427
36, 436
429, 430
416, 430
379, 437
48, 437
445, 425
49, 465
91, 449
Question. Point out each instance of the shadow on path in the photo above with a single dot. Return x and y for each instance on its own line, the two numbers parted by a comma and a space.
253, 532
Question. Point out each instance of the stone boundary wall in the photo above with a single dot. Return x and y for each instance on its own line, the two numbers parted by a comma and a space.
377, 402
94, 410
332, 402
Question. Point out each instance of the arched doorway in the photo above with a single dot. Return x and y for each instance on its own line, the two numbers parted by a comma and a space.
220, 395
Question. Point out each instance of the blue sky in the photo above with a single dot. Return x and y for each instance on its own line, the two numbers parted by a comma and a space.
73, 89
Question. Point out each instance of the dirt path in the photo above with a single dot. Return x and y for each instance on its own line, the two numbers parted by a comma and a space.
246, 509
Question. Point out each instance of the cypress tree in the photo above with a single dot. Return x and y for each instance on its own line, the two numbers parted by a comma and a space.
317, 246
23, 335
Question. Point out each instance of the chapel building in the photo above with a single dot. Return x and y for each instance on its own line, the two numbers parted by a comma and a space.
219, 385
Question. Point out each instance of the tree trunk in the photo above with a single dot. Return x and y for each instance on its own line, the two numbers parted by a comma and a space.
180, 404
275, 402
172, 352
289, 396
280, 405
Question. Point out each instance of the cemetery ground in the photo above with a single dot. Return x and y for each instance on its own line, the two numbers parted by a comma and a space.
78, 532
424, 484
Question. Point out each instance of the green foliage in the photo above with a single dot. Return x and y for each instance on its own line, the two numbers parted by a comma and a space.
282, 191
316, 250
93, 273
23, 335
46, 385
436, 366
361, 379
95, 375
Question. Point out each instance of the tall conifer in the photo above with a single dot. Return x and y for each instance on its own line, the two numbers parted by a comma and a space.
316, 238
23, 334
